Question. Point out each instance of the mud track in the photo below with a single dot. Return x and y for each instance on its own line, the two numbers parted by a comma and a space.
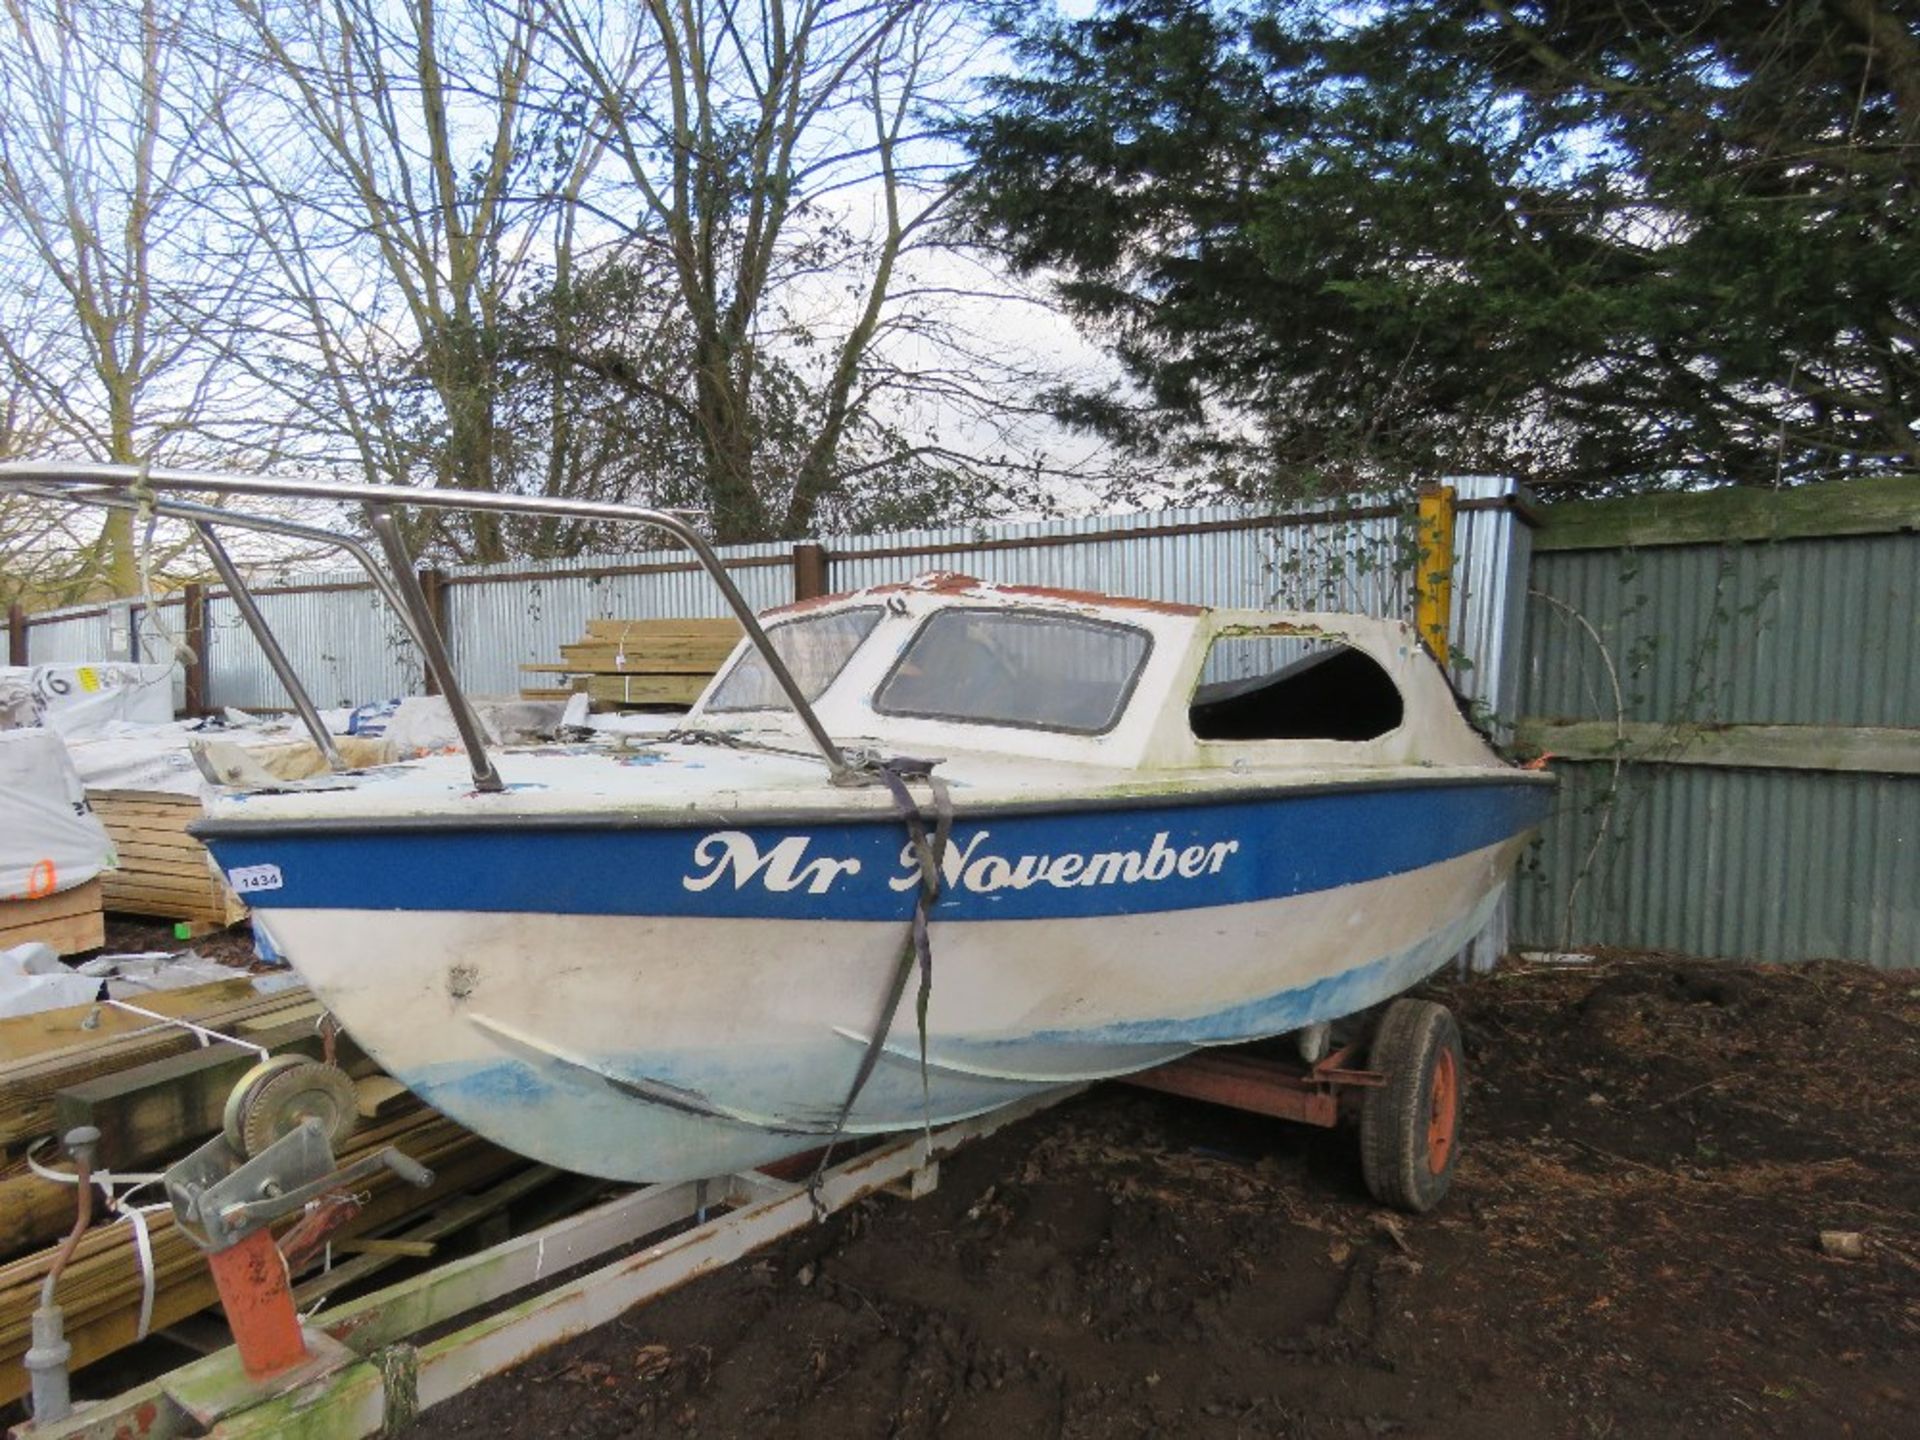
1632, 1248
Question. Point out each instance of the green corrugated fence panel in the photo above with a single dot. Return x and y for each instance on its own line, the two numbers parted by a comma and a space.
1797, 632
1757, 864
1777, 865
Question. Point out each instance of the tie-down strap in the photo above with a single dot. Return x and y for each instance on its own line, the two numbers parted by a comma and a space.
929, 849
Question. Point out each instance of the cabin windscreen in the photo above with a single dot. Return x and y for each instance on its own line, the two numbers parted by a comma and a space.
1000, 667
815, 648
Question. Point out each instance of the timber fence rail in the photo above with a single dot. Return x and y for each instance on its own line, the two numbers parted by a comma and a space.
1730, 681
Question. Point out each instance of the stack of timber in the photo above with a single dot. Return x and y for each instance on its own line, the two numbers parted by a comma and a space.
68, 920
148, 1114
640, 662
163, 871
85, 1026
43, 1054
100, 1290
156, 1093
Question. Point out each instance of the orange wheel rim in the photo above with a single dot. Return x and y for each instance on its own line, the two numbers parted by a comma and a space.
1443, 1111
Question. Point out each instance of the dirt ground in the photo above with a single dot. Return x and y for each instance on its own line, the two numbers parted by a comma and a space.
133, 934
1632, 1248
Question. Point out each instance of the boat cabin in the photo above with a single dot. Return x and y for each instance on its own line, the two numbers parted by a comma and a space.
948, 662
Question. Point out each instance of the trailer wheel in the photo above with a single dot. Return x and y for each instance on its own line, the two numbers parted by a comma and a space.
1410, 1127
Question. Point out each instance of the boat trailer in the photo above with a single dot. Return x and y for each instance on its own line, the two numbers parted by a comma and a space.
365, 1368
374, 1363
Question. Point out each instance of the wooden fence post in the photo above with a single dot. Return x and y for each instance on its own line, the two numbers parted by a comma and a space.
433, 587
16, 634
1433, 568
809, 570
194, 593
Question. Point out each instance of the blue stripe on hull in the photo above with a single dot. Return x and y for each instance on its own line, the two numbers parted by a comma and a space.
1023, 866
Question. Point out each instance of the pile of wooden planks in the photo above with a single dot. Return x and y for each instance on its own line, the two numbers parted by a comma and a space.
163, 871
150, 1114
640, 662
44, 1054
68, 920
100, 1290
156, 1093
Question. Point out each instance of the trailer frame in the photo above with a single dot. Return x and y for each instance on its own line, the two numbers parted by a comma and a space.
371, 1373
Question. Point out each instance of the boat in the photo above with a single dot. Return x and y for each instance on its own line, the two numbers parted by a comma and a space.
670, 962
918, 852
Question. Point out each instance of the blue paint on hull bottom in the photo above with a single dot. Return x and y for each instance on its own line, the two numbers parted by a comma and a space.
570, 1117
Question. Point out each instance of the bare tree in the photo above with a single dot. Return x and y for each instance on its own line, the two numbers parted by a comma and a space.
115, 275
783, 167
686, 253
399, 173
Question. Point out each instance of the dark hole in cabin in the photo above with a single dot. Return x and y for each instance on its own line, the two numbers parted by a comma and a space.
1332, 693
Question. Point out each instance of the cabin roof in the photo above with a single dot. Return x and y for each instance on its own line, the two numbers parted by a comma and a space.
952, 582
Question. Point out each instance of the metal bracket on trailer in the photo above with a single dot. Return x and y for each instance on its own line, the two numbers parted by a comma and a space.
374, 1377
1265, 1087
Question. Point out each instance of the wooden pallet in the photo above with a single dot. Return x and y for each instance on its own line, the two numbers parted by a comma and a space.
68, 920
639, 662
163, 870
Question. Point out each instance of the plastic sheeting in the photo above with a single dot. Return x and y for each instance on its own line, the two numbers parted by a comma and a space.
81, 699
423, 724
49, 839
33, 979
159, 758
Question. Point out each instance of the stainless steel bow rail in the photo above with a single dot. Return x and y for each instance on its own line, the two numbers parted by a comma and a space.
171, 493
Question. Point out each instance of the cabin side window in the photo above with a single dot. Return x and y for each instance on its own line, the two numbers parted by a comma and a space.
1290, 687
815, 648
1004, 667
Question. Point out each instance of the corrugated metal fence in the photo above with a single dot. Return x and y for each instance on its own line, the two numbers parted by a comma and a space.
348, 649
1751, 788
1806, 629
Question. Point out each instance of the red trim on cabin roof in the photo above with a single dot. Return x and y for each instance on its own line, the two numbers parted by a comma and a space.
951, 582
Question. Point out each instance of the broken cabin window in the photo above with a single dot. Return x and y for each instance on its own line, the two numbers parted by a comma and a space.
1288, 687
1003, 667
815, 648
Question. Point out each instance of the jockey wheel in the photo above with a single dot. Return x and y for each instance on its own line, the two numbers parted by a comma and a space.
275, 1096
1410, 1126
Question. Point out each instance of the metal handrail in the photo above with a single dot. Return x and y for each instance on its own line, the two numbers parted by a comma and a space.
118, 486
246, 520
203, 518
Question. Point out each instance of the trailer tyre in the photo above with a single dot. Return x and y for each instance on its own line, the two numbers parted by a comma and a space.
1410, 1127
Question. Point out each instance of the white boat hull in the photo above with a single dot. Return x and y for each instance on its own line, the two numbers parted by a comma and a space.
662, 1047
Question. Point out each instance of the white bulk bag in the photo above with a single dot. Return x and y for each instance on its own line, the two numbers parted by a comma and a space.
49, 839
78, 699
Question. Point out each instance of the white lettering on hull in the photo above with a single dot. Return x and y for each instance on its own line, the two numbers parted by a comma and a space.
974, 866
784, 867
